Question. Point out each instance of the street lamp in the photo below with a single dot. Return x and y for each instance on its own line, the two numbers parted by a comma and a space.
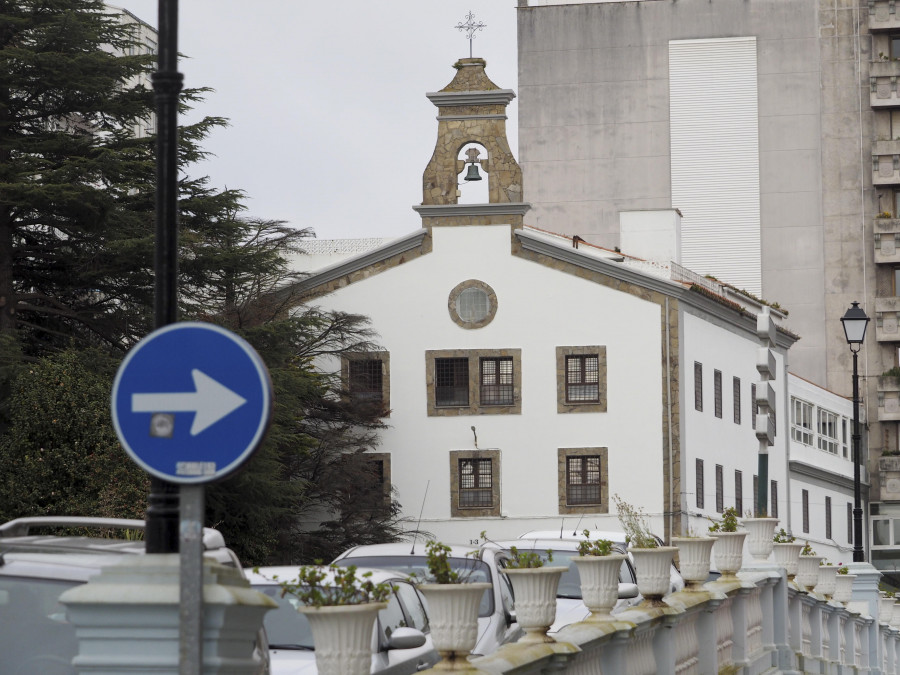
855, 322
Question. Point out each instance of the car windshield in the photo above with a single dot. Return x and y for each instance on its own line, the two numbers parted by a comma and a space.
35, 638
470, 569
570, 581
285, 626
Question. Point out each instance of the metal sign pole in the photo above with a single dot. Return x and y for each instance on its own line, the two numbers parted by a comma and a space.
191, 611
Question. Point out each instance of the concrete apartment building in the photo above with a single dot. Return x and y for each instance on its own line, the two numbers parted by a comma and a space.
772, 129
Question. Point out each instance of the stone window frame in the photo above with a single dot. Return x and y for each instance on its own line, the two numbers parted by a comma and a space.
457, 511
385, 358
385, 459
475, 406
564, 406
562, 455
454, 295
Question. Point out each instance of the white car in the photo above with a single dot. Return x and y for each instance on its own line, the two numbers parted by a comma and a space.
497, 623
570, 607
401, 640
35, 636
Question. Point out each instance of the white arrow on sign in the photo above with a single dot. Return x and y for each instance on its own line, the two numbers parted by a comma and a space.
211, 401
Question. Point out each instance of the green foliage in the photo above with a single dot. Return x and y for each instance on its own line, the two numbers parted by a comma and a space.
634, 522
842, 569
782, 537
807, 550
597, 547
437, 557
60, 455
729, 522
313, 588
892, 372
77, 274
527, 559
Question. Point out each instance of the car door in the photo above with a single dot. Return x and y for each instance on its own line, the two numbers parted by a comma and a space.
405, 609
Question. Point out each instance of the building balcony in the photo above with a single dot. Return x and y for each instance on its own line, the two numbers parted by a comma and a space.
883, 77
887, 319
888, 399
887, 241
886, 163
884, 15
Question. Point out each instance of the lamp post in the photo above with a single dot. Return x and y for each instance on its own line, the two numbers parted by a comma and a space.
855, 322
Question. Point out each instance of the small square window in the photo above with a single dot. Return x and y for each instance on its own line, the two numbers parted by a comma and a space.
474, 483
451, 382
366, 377
582, 475
497, 381
581, 379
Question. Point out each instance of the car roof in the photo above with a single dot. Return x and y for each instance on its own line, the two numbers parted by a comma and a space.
403, 549
261, 576
572, 535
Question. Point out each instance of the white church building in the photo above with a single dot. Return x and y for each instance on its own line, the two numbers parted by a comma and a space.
526, 376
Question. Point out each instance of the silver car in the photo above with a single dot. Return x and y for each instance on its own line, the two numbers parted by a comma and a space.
36, 568
497, 623
401, 640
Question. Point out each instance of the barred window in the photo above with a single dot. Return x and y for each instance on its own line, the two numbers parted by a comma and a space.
698, 386
583, 484
755, 495
451, 382
753, 405
582, 378
736, 397
739, 492
717, 392
366, 379
475, 483
773, 507
720, 495
828, 517
699, 484
849, 523
497, 380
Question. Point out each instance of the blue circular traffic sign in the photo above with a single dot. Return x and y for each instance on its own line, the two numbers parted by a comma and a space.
191, 402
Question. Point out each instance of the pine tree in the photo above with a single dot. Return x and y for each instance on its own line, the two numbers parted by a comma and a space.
76, 271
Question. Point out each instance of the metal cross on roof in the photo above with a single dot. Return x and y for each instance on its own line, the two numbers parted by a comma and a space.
470, 27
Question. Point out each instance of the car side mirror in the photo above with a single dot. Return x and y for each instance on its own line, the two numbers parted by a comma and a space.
406, 638
627, 591
511, 617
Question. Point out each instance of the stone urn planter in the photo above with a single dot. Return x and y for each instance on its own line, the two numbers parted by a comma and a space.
808, 571
599, 583
653, 568
729, 552
535, 591
343, 636
843, 588
760, 532
826, 579
453, 616
787, 555
694, 554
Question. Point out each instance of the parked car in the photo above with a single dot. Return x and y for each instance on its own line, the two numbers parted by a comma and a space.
35, 569
496, 614
570, 607
401, 640
617, 538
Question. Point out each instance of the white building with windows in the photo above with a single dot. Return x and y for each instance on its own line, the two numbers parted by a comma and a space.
526, 376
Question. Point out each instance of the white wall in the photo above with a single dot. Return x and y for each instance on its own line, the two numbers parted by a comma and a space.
538, 309
722, 441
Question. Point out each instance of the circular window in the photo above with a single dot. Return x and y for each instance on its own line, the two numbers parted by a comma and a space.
472, 304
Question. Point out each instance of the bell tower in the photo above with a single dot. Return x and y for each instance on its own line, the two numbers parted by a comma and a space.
472, 109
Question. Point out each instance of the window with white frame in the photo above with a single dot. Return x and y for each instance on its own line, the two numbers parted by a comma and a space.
828, 431
801, 421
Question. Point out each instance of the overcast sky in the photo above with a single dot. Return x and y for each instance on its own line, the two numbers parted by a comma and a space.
330, 127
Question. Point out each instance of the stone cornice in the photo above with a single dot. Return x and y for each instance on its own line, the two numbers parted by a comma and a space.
450, 98
825, 477
343, 268
493, 209
744, 321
